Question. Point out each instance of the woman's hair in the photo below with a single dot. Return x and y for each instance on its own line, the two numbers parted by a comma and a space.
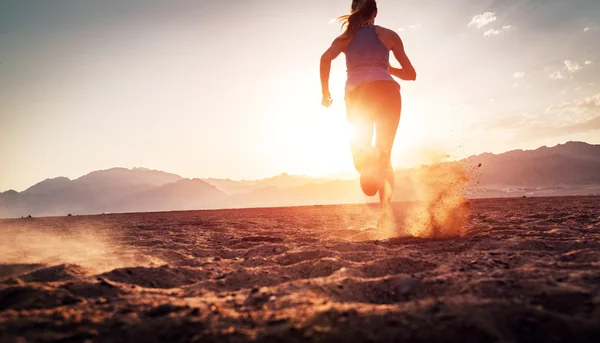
361, 11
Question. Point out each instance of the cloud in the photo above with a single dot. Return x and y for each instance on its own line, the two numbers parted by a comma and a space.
494, 32
572, 66
567, 118
545, 131
575, 112
482, 20
491, 32
410, 27
519, 75
557, 75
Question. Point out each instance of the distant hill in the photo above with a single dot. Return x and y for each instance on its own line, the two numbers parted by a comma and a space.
48, 186
123, 176
87, 194
184, 194
570, 168
573, 164
282, 181
330, 192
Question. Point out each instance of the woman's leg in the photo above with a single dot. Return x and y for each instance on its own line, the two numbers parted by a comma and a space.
387, 118
360, 118
374, 105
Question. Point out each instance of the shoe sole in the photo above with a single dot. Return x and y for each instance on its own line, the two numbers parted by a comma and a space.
370, 185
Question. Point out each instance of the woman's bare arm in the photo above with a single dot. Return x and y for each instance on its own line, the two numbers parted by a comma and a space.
336, 48
407, 72
400, 73
393, 41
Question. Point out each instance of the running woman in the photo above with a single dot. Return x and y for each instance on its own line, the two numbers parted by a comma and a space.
372, 96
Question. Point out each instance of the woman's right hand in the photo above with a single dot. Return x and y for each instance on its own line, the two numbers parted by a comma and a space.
326, 100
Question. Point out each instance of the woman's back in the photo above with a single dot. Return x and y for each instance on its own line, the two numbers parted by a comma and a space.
367, 59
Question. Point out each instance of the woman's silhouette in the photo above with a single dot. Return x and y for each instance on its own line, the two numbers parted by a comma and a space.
372, 96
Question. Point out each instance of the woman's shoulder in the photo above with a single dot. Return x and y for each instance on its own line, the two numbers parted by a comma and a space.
384, 30
387, 36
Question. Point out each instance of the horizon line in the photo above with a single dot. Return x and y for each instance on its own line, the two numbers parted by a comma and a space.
329, 176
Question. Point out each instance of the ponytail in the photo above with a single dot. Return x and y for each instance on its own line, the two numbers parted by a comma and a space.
361, 11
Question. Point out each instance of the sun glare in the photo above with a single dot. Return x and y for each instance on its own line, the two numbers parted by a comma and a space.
306, 138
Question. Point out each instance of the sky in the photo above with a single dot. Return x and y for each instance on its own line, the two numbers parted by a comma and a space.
231, 89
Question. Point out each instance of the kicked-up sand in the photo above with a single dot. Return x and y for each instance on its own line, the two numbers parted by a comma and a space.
508, 270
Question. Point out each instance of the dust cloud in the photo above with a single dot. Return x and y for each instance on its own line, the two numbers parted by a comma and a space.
95, 252
441, 209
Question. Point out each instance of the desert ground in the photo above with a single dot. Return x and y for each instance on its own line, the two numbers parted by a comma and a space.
515, 270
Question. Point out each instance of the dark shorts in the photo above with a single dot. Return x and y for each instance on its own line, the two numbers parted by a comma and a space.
374, 106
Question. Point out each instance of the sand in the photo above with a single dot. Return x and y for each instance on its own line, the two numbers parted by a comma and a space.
524, 270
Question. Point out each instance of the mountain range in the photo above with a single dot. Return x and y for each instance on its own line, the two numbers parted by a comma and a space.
572, 168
